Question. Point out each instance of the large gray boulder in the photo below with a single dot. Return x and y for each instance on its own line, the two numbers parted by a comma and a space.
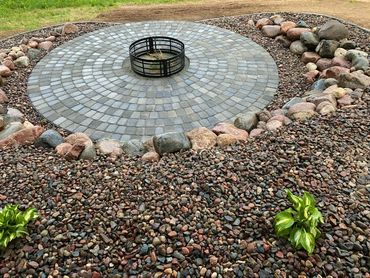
333, 30
133, 147
171, 142
49, 139
246, 121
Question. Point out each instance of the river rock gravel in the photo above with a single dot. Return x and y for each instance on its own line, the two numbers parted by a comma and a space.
198, 214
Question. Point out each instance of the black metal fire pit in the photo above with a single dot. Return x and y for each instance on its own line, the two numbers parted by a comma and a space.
157, 56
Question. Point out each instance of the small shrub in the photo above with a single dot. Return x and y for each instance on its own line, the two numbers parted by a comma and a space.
13, 223
299, 224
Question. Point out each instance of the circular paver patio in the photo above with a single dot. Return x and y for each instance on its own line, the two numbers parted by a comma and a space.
86, 85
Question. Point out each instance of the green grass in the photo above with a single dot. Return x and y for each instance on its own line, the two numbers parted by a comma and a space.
24, 15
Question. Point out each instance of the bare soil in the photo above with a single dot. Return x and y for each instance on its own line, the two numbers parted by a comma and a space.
356, 11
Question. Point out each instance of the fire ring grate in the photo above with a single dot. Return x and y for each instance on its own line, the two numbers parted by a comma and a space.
157, 56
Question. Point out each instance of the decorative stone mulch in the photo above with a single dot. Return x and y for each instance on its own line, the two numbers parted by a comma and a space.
206, 213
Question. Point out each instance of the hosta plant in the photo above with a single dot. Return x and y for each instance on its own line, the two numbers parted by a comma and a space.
13, 223
299, 223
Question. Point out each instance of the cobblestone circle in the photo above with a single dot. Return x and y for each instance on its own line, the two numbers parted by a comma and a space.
86, 85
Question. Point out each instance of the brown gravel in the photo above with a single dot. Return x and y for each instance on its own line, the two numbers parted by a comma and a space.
208, 212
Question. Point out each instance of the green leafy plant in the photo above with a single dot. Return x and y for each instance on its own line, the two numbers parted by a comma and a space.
13, 223
299, 223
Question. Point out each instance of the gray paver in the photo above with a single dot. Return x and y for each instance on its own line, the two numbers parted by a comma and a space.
88, 82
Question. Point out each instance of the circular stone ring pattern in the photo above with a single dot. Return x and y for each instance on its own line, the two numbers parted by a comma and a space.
87, 85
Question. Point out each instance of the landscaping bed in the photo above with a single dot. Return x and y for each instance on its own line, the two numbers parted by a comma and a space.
194, 213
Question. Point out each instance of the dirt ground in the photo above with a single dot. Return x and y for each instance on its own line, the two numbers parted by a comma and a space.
356, 11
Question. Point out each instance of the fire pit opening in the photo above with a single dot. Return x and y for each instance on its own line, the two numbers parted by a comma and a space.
157, 56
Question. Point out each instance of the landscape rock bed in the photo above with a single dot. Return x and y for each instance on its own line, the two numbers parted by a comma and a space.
206, 213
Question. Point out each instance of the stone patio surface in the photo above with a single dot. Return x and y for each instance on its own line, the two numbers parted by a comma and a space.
86, 85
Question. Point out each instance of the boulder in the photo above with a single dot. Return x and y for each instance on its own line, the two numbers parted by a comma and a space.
262, 22
323, 98
333, 72
5, 71
22, 137
226, 128
22, 62
202, 138
256, 132
347, 44
354, 80
9, 64
279, 112
326, 48
271, 31
89, 153
33, 54
273, 125
301, 111
277, 19
70, 152
33, 44
311, 76
295, 33
3, 97
149, 145
360, 63
354, 53
330, 82
246, 121
333, 30
340, 52
319, 85
325, 108
109, 147
302, 24
171, 142
345, 100
335, 91
264, 115
69, 28
261, 125
224, 140
309, 39
310, 57
28, 124
311, 66
323, 64
151, 157
45, 45
282, 118
133, 147
283, 40
10, 129
356, 94
49, 139
341, 62
78, 137
286, 26
297, 47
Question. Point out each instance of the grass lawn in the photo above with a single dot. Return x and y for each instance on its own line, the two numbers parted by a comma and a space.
23, 15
